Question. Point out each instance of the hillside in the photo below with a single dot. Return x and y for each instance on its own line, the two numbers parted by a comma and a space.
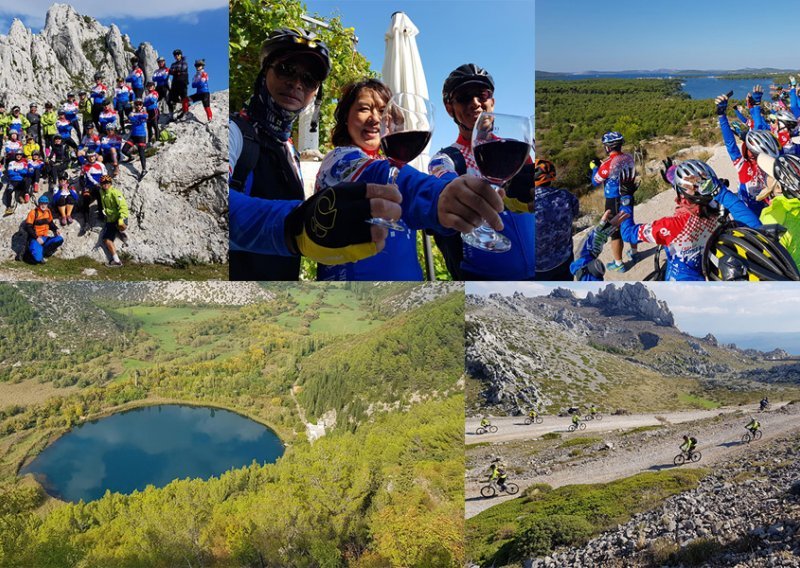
618, 349
389, 462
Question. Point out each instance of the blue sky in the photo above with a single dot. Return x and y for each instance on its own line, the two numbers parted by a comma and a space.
699, 308
497, 35
198, 27
579, 35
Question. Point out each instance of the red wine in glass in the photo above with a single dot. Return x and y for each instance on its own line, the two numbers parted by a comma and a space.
501, 144
406, 127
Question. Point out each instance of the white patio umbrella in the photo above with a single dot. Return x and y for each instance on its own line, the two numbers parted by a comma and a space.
402, 67
403, 73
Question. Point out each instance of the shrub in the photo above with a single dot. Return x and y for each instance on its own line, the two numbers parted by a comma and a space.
543, 535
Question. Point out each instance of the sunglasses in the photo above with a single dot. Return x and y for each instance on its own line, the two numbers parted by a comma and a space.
482, 95
288, 72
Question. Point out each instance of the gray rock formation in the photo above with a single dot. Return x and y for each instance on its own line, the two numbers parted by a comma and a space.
632, 299
65, 56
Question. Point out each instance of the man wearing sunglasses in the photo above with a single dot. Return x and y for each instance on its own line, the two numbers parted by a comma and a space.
271, 224
468, 91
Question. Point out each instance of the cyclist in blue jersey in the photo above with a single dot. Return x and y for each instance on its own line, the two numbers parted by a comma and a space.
123, 102
179, 71
202, 92
161, 79
151, 106
607, 174
70, 108
99, 95
751, 179
136, 78
138, 137
556, 210
467, 91
684, 234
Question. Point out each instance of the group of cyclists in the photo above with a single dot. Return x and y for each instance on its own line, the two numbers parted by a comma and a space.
77, 149
714, 233
498, 470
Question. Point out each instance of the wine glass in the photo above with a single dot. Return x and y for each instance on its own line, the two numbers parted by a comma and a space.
406, 128
501, 144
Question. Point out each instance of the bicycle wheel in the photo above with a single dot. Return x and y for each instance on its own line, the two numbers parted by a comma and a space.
588, 417
757, 435
696, 456
539, 420
487, 491
528, 421
746, 438
598, 416
680, 459
492, 428
512, 488
582, 426
571, 428
480, 430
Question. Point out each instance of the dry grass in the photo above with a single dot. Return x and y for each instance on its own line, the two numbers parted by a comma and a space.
30, 392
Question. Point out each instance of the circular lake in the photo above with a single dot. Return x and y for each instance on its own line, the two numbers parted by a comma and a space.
152, 445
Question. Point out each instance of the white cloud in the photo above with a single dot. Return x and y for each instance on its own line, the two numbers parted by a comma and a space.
32, 12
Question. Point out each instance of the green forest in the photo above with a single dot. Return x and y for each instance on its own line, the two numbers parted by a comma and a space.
382, 488
572, 116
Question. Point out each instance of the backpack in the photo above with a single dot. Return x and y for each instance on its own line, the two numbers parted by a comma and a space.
167, 136
249, 156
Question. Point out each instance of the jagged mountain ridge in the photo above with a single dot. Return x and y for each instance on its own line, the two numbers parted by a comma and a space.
67, 53
562, 350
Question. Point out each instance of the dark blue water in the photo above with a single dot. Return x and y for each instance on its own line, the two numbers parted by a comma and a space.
695, 87
150, 446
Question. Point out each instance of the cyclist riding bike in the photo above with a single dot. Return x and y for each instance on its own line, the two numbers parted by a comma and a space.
532, 413
688, 445
764, 403
498, 474
753, 425
575, 419
593, 411
485, 422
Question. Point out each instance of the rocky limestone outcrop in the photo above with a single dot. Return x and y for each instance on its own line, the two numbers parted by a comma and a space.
178, 212
631, 299
747, 513
65, 56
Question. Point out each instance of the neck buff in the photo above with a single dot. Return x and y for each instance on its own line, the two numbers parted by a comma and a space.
267, 116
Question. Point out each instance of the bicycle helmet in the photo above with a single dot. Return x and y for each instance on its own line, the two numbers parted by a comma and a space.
786, 119
34, 105
43, 200
699, 177
762, 142
467, 74
177, 52
106, 179
90, 153
544, 172
15, 108
787, 174
70, 95
134, 60
286, 40
98, 76
200, 63
161, 60
613, 140
740, 129
742, 253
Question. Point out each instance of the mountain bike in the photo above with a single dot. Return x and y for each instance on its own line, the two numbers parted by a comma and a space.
751, 436
683, 458
579, 426
493, 488
491, 428
536, 420
596, 416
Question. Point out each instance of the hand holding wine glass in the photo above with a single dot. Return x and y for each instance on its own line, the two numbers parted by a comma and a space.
501, 144
406, 128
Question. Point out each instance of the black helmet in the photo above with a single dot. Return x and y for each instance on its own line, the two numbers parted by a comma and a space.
63, 175
177, 52
285, 40
466, 74
200, 63
34, 105
15, 108
81, 94
787, 174
98, 76
138, 102
70, 95
742, 253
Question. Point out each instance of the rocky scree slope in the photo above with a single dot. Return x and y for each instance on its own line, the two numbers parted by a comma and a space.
179, 210
560, 348
745, 514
